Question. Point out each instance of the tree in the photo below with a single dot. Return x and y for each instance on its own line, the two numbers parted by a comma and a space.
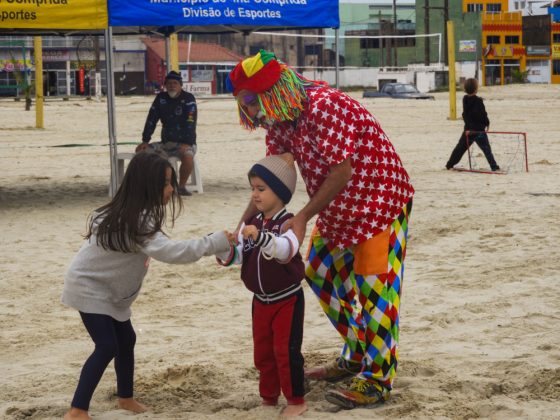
20, 74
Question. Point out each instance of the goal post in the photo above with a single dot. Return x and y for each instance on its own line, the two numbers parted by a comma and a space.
508, 147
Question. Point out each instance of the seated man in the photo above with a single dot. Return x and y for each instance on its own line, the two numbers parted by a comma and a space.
177, 111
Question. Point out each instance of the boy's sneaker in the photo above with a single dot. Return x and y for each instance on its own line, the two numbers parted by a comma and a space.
333, 372
360, 393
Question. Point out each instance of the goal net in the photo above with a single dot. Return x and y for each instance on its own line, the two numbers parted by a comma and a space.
509, 150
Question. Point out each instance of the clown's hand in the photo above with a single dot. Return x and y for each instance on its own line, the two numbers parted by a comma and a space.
298, 224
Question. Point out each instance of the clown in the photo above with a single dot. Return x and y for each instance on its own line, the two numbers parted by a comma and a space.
362, 197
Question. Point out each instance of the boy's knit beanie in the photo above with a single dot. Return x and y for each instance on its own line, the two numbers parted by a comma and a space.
279, 174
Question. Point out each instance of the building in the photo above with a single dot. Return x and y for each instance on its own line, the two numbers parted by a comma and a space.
503, 53
530, 7
375, 19
204, 66
68, 64
555, 43
507, 46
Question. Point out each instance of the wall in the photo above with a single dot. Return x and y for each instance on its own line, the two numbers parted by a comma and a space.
467, 27
348, 78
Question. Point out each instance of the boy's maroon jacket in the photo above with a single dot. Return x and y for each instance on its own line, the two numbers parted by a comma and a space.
262, 276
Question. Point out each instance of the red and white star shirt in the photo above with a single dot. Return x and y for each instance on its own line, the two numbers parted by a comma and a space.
332, 128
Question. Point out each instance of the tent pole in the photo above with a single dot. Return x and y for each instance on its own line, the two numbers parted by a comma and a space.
167, 54
337, 57
111, 110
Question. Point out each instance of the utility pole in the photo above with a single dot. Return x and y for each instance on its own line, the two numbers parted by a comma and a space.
381, 61
427, 31
445, 19
388, 42
395, 32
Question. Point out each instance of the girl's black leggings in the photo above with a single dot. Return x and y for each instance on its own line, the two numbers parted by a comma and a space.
113, 340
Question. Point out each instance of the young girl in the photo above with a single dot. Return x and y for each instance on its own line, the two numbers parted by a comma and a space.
106, 275
272, 269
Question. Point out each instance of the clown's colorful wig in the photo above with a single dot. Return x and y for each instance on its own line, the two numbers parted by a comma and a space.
280, 90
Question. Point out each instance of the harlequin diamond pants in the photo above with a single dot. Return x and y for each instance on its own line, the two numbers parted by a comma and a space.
359, 289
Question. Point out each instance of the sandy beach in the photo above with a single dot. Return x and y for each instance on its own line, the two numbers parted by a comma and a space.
480, 314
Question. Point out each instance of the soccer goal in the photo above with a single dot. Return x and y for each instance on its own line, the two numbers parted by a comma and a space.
509, 150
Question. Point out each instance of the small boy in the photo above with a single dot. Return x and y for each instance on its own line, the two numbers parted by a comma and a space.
476, 125
272, 268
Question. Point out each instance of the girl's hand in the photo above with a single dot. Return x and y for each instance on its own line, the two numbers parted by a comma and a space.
250, 231
231, 237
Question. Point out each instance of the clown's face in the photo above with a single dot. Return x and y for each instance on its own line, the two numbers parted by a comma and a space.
250, 103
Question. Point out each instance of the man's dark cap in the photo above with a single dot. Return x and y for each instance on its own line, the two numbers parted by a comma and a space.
173, 75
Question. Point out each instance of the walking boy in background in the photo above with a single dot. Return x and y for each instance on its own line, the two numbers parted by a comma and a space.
176, 109
476, 123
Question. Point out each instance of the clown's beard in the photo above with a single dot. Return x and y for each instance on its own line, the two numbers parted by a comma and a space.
261, 120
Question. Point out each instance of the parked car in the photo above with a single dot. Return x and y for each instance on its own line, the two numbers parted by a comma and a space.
397, 91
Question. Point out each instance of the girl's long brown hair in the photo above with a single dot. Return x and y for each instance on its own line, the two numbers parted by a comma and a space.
136, 212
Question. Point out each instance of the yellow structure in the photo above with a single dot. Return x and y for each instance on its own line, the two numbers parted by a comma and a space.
38, 46
451, 55
555, 53
174, 52
502, 47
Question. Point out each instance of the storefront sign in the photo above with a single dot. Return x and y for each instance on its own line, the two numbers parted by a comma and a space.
467, 46
201, 88
202, 75
53, 14
185, 76
503, 51
14, 64
55, 55
538, 50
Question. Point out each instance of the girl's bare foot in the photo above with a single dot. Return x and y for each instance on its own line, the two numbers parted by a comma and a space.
293, 410
77, 414
131, 404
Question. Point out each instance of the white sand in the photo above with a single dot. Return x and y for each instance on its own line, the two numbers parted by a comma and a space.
480, 319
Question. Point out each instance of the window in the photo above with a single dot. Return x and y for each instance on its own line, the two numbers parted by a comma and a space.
369, 43
474, 7
493, 7
556, 67
556, 38
493, 39
510, 66
512, 39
